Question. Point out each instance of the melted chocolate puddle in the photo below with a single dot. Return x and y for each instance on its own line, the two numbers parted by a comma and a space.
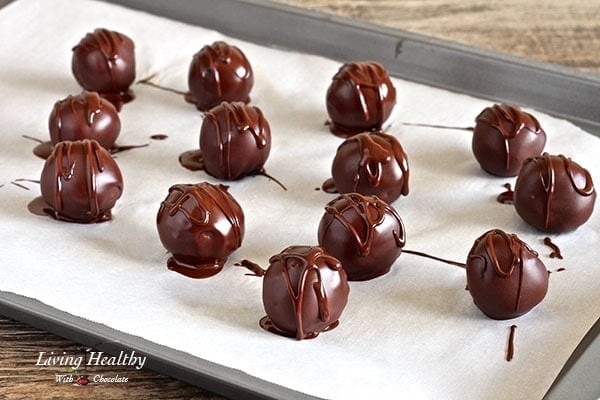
507, 197
43, 149
38, 206
329, 186
192, 160
194, 271
511, 343
555, 249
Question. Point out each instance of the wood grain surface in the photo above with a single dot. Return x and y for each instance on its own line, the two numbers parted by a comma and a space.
565, 32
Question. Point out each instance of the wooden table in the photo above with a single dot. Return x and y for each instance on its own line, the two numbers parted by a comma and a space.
565, 32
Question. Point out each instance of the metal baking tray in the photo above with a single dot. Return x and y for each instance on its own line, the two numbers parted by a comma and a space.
556, 90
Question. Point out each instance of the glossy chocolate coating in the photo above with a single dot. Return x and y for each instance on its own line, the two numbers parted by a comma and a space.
371, 163
235, 140
360, 98
305, 291
104, 62
81, 182
219, 72
364, 233
504, 137
554, 194
200, 225
504, 275
85, 116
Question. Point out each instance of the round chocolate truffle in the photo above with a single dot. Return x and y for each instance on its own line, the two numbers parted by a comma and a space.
104, 62
360, 98
219, 72
504, 275
504, 136
81, 182
370, 163
554, 194
305, 291
235, 140
200, 225
365, 233
85, 116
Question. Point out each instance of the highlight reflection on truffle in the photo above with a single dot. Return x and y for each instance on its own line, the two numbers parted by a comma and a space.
554, 193
219, 72
305, 291
200, 225
363, 232
360, 98
505, 276
81, 182
84, 116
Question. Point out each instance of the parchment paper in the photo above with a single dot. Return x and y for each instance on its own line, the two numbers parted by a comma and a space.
413, 333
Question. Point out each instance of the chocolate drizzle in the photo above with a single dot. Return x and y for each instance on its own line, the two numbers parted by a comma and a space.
375, 155
70, 182
502, 269
562, 189
104, 61
200, 214
510, 121
360, 98
107, 42
238, 121
65, 170
370, 163
90, 102
372, 212
219, 72
363, 232
504, 136
305, 273
555, 249
510, 351
227, 152
507, 197
365, 76
84, 116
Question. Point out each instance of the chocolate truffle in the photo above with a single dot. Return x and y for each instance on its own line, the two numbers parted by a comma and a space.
200, 225
504, 136
85, 116
360, 98
81, 182
370, 163
104, 62
365, 233
554, 194
235, 141
305, 291
504, 275
219, 72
